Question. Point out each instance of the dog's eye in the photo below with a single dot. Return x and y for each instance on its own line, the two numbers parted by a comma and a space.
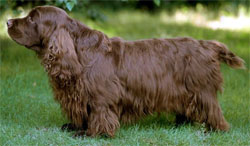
30, 20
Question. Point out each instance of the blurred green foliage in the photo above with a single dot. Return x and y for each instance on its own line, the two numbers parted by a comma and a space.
93, 7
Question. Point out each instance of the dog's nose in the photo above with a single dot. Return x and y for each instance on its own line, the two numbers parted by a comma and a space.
9, 23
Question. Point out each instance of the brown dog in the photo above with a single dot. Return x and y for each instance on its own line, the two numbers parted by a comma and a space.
100, 81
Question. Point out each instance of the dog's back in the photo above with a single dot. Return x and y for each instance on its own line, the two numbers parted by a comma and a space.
178, 75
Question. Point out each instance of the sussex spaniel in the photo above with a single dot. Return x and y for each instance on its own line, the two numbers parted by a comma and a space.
101, 81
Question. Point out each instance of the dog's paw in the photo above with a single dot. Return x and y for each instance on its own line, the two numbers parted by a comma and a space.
69, 127
79, 134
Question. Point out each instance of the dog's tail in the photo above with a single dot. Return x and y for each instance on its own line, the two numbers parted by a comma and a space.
224, 54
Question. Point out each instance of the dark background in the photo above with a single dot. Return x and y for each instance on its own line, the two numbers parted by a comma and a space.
93, 8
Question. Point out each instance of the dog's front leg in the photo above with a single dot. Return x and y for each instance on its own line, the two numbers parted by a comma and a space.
69, 127
102, 121
72, 127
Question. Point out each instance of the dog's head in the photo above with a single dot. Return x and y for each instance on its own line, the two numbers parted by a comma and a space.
36, 29
46, 30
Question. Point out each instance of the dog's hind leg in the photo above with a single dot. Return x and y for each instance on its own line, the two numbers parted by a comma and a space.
204, 108
215, 118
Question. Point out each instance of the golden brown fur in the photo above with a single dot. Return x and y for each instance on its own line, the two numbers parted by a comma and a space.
100, 81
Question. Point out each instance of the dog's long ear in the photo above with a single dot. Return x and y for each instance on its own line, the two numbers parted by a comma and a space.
62, 47
66, 66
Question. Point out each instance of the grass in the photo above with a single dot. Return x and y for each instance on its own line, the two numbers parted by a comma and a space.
30, 116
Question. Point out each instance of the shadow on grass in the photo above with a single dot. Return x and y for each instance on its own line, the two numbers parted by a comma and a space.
166, 121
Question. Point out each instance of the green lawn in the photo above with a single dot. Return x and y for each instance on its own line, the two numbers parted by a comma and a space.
30, 116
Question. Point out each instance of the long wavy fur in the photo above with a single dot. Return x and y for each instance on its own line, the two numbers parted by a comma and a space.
100, 81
